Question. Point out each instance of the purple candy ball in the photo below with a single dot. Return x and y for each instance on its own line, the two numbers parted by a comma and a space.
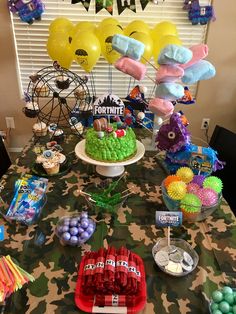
73, 222
80, 230
60, 229
66, 222
65, 236
84, 223
65, 228
84, 235
198, 179
90, 229
84, 215
74, 240
74, 231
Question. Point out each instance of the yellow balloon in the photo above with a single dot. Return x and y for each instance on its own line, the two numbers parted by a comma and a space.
86, 50
59, 50
109, 21
82, 26
59, 24
163, 29
147, 41
165, 40
136, 26
105, 39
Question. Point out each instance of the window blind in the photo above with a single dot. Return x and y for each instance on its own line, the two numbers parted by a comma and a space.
30, 40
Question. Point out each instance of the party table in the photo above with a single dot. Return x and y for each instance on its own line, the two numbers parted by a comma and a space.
38, 250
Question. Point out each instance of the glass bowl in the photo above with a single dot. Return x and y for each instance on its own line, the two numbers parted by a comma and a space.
186, 261
94, 196
173, 205
75, 230
211, 302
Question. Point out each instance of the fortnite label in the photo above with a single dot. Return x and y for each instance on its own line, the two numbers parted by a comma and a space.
168, 219
108, 105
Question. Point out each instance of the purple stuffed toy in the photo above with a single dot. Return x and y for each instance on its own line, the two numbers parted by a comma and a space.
173, 135
28, 10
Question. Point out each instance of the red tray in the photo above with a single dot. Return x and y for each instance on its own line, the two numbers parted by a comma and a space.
86, 302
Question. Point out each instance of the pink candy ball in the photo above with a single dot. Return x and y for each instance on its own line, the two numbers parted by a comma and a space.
193, 188
207, 196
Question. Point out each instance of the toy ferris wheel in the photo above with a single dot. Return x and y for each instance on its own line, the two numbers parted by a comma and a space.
59, 96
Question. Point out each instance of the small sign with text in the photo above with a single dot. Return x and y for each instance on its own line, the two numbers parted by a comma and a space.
168, 219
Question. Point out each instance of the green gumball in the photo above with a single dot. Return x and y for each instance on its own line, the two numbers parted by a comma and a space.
234, 309
227, 290
224, 307
217, 296
229, 297
214, 306
217, 312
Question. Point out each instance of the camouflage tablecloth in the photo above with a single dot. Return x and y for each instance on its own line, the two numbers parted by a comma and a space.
55, 266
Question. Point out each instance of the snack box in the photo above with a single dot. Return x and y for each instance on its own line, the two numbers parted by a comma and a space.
86, 302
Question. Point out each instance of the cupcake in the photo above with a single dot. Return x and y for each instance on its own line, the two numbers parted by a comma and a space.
77, 128
58, 136
40, 129
51, 167
31, 109
62, 81
80, 93
52, 128
41, 89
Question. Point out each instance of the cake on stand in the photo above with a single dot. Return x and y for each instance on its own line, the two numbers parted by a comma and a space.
109, 169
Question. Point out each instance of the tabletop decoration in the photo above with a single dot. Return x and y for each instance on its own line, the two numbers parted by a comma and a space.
75, 230
29, 197
197, 199
173, 256
223, 301
111, 278
13, 277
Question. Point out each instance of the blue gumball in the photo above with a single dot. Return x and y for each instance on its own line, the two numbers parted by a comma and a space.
84, 235
84, 223
80, 230
66, 222
65, 228
66, 236
74, 240
74, 231
73, 222
84, 215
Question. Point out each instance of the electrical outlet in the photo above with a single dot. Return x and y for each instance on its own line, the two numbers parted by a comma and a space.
205, 124
10, 122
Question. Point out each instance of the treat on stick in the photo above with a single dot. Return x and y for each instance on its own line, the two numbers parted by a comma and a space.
131, 67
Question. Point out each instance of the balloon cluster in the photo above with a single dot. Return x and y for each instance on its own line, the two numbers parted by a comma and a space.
85, 42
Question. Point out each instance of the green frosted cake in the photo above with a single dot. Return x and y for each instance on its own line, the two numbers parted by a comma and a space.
114, 146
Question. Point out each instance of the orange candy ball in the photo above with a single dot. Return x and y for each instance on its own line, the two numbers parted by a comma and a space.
171, 178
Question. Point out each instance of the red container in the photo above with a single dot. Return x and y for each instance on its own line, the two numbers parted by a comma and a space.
87, 302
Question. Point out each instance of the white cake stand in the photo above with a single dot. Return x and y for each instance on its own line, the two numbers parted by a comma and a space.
109, 169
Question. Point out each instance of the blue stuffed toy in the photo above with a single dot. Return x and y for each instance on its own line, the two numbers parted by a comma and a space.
28, 10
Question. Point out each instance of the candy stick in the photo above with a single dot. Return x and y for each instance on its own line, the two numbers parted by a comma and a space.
145, 127
168, 235
82, 192
150, 79
149, 63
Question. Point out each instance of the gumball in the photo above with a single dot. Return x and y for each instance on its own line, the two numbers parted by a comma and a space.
216, 312
65, 228
66, 222
90, 229
227, 290
80, 230
73, 222
74, 240
159, 121
177, 190
185, 174
73, 231
217, 296
84, 223
229, 297
60, 229
214, 306
208, 197
84, 215
66, 236
224, 307
214, 183
234, 309
84, 235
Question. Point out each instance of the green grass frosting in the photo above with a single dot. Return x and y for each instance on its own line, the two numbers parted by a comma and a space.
109, 148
